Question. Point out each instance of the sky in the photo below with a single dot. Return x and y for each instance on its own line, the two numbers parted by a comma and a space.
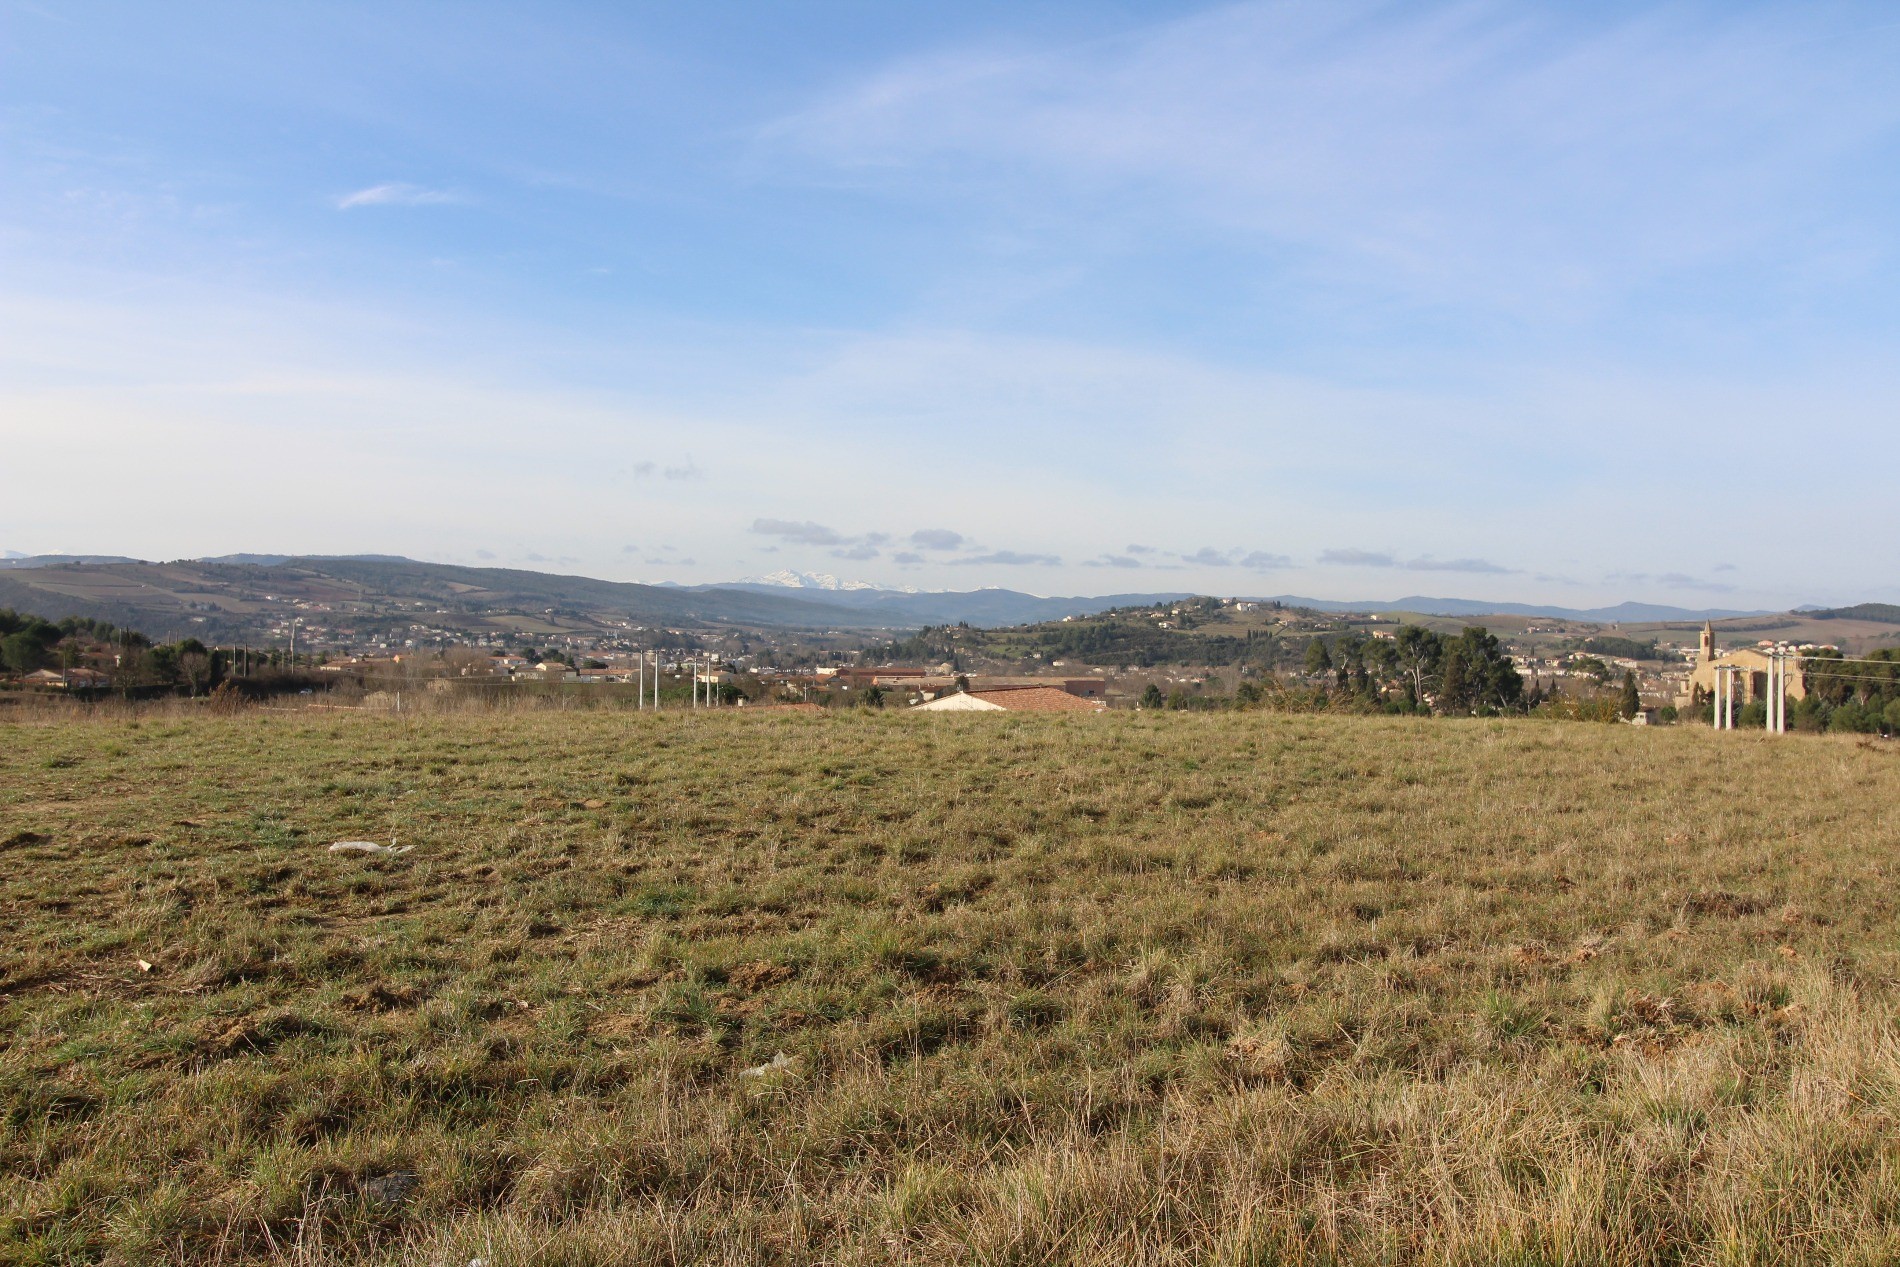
1545, 302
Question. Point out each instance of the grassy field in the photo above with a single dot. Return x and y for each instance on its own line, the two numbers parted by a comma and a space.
1132, 988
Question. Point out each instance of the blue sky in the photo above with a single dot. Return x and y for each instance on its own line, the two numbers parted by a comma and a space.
1557, 303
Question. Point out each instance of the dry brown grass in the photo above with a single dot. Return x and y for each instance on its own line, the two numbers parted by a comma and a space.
1170, 988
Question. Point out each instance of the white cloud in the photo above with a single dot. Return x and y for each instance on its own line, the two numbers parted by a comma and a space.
1429, 564
1522, 158
1358, 558
397, 194
1424, 563
1009, 558
805, 533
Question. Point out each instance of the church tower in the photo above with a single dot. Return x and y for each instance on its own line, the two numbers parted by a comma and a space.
1708, 641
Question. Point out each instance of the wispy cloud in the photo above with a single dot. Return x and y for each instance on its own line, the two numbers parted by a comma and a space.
806, 533
1358, 559
1479, 150
937, 539
397, 194
1113, 561
1009, 558
1681, 580
1424, 563
1429, 564
1669, 580
1253, 560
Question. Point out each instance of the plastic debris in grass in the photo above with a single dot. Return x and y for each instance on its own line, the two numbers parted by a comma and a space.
777, 1064
368, 847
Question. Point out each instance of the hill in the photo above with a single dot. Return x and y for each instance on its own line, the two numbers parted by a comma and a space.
228, 602
1883, 613
987, 607
241, 597
244, 596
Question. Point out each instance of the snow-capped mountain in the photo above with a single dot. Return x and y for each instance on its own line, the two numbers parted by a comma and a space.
789, 579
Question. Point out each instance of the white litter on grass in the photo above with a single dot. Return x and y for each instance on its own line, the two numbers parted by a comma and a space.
367, 846
778, 1061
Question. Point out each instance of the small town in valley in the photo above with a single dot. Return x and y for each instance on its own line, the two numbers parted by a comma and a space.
338, 639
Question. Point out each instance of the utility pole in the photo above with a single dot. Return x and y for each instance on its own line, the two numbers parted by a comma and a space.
1777, 692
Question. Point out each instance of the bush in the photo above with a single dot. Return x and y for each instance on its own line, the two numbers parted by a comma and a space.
1853, 719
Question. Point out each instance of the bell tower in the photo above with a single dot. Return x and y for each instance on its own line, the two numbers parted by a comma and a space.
1708, 641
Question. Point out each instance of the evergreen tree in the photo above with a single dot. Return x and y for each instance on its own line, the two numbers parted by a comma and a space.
1151, 698
1418, 653
1318, 661
1632, 702
1454, 695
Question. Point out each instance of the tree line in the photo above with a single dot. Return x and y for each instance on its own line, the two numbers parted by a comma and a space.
1852, 696
133, 663
1421, 670
29, 643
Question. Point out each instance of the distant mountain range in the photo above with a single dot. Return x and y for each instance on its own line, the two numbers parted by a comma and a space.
1625, 613
788, 579
227, 596
233, 597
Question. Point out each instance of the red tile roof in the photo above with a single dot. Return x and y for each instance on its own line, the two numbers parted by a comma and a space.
1038, 699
